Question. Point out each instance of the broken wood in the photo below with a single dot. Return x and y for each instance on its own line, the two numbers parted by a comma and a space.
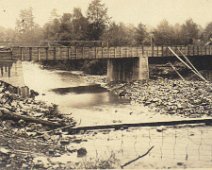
189, 62
7, 114
139, 157
173, 67
186, 64
144, 124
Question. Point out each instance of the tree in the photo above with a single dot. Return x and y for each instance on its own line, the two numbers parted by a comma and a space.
54, 15
163, 34
118, 35
26, 28
207, 35
97, 18
80, 25
141, 34
190, 32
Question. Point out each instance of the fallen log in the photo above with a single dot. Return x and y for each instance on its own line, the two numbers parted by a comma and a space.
7, 114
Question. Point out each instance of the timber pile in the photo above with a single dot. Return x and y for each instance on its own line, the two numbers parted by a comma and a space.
190, 98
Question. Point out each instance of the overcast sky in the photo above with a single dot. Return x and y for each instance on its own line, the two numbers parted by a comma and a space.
149, 12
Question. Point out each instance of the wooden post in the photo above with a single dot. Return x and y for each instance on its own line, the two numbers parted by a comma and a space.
162, 50
188, 51
54, 53
108, 49
95, 51
30, 53
197, 50
47, 53
22, 54
152, 50
114, 52
82, 52
68, 53
193, 51
137, 52
205, 50
38, 51
75, 52
60, 53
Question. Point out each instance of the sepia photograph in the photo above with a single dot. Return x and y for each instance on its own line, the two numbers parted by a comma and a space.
105, 84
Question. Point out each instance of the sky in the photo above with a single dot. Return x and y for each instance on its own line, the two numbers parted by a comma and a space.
148, 12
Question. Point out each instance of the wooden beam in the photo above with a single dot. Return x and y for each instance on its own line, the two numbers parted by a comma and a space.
186, 64
206, 121
186, 58
176, 71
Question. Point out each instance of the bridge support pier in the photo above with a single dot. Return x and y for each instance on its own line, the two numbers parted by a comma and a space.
127, 69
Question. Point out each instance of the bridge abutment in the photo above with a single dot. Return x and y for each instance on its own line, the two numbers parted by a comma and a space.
128, 69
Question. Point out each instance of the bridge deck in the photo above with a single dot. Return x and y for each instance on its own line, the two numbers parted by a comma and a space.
76, 53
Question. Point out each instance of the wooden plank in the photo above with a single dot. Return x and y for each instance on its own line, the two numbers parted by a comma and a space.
206, 121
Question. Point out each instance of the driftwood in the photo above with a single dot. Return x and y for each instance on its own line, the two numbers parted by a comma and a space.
122, 166
7, 114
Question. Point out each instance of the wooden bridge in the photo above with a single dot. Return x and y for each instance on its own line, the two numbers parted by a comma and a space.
124, 63
75, 53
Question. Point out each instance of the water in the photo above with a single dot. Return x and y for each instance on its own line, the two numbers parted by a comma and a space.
66, 89
89, 104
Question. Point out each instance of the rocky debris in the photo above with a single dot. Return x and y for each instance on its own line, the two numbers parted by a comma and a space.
190, 98
81, 152
28, 128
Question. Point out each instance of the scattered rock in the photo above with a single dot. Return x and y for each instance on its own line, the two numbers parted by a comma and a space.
81, 152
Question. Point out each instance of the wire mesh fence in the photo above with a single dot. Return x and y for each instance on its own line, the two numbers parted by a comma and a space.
173, 146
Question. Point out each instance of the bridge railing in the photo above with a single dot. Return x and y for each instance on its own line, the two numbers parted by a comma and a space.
73, 53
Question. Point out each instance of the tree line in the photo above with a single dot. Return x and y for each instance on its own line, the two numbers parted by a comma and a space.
96, 26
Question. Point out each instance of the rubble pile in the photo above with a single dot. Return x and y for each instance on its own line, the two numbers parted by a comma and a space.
28, 129
190, 98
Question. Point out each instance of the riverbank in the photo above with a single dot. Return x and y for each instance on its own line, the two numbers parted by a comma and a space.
27, 130
189, 99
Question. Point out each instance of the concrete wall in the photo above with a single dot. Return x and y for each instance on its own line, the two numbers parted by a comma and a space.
128, 69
